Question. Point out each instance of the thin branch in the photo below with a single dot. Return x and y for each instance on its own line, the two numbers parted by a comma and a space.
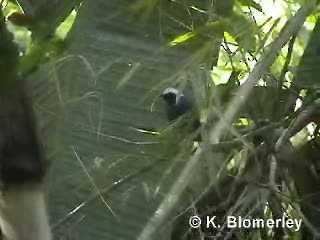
285, 68
107, 191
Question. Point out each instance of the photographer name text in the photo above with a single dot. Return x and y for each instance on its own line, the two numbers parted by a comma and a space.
246, 222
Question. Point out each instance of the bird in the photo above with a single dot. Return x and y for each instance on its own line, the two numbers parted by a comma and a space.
178, 105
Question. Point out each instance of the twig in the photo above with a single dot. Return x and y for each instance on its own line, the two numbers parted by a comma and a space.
106, 191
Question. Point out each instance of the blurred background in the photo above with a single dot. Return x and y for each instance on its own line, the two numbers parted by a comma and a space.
244, 140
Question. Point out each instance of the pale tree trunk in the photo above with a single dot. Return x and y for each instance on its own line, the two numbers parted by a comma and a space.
24, 215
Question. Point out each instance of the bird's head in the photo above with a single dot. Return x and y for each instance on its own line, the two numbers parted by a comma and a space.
171, 96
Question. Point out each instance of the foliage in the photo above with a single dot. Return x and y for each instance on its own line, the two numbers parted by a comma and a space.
251, 68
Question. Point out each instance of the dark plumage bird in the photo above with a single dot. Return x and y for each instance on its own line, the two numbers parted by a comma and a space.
177, 105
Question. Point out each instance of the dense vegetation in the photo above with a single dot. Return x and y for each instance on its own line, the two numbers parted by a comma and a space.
119, 170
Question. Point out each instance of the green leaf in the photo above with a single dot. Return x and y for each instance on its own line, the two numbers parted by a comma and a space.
243, 30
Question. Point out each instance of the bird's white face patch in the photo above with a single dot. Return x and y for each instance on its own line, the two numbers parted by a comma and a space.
171, 90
